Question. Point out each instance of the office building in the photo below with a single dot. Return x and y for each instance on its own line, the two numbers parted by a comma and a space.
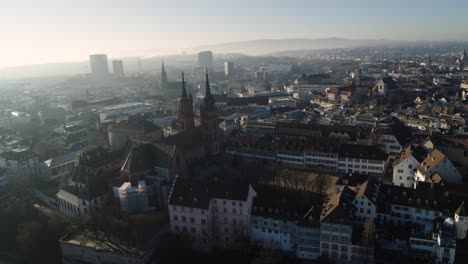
99, 66
205, 59
117, 68
228, 68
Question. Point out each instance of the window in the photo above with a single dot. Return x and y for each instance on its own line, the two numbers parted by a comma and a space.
203, 222
334, 247
176, 217
344, 248
184, 219
325, 246
193, 230
192, 220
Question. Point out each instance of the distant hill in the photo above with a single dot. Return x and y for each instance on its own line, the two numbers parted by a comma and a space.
267, 46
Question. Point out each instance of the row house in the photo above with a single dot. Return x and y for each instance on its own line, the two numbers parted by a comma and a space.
86, 191
364, 159
438, 244
419, 206
339, 236
20, 162
211, 213
292, 228
437, 162
321, 153
404, 169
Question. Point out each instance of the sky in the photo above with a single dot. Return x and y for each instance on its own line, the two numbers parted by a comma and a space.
42, 31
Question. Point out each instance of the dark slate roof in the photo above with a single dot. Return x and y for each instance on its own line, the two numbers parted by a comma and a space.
352, 179
338, 207
220, 98
143, 156
391, 84
186, 140
198, 193
98, 156
426, 196
362, 152
96, 182
246, 101
401, 132
62, 159
135, 125
18, 154
279, 203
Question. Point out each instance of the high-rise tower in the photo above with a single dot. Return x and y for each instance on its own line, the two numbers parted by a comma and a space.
99, 67
163, 76
209, 121
186, 117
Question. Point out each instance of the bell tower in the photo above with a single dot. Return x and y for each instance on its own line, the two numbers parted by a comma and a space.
209, 122
186, 119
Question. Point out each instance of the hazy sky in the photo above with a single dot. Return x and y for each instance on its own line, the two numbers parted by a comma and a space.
38, 31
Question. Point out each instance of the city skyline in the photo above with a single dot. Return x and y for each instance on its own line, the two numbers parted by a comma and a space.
57, 31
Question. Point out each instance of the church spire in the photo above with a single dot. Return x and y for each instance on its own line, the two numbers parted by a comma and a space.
209, 99
184, 92
208, 90
163, 76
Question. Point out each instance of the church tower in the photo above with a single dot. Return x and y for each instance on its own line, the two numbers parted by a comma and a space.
163, 77
186, 119
209, 122
463, 60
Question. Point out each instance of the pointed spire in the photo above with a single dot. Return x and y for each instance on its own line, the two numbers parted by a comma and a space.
162, 67
208, 90
184, 92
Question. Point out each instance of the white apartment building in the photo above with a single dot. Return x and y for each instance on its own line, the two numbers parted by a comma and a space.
400, 205
287, 220
365, 201
83, 194
404, 170
336, 229
461, 221
132, 199
77, 203
211, 213
20, 162
438, 243
390, 145
363, 159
